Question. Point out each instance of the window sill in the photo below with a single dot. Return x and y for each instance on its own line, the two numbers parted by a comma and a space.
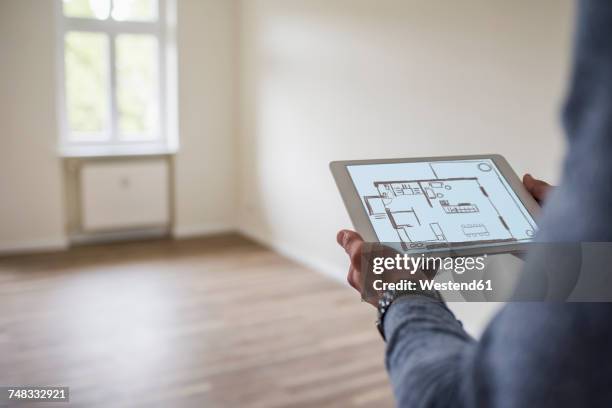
115, 151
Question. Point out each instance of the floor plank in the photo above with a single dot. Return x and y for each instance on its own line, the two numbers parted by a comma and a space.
216, 322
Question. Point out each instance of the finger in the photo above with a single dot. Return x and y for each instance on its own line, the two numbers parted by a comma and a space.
537, 188
540, 190
354, 250
353, 279
352, 244
340, 237
347, 238
528, 181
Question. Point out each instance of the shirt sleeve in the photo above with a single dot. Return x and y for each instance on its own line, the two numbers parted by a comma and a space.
427, 349
533, 354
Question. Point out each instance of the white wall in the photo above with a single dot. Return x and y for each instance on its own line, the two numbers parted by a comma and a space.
31, 206
326, 80
31, 185
205, 166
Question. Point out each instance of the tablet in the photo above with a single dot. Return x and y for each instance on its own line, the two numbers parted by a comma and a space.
463, 205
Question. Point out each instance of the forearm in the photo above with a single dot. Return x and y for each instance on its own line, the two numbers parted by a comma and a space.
427, 352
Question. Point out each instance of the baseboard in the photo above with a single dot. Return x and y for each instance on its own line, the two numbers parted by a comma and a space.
62, 243
119, 235
32, 246
190, 231
296, 254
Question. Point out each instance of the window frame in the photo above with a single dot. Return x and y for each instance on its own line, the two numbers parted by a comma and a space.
163, 29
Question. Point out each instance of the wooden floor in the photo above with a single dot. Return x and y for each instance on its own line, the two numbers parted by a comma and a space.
218, 322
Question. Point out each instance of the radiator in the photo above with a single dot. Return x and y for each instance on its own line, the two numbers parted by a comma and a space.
120, 195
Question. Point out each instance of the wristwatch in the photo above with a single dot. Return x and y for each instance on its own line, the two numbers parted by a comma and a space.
389, 296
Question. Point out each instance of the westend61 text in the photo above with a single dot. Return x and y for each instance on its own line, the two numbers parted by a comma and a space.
429, 285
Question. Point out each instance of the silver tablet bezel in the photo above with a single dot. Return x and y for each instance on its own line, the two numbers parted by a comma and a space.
363, 226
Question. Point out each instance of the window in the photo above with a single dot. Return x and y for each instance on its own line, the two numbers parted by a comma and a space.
115, 86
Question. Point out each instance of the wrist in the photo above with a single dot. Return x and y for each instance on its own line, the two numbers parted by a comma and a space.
388, 297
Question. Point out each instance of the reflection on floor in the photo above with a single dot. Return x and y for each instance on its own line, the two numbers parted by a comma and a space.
218, 322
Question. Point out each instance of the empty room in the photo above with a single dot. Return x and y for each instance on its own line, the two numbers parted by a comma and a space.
303, 203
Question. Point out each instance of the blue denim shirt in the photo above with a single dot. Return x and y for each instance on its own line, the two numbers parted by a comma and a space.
532, 354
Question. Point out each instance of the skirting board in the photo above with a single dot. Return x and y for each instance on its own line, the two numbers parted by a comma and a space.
326, 268
37, 245
117, 236
191, 231
62, 243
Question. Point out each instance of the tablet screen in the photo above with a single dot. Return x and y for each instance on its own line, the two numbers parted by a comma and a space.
433, 204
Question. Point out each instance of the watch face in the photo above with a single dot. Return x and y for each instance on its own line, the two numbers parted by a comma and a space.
383, 305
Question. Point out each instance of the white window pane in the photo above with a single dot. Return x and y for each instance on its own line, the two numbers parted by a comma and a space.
134, 10
86, 62
137, 86
98, 9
